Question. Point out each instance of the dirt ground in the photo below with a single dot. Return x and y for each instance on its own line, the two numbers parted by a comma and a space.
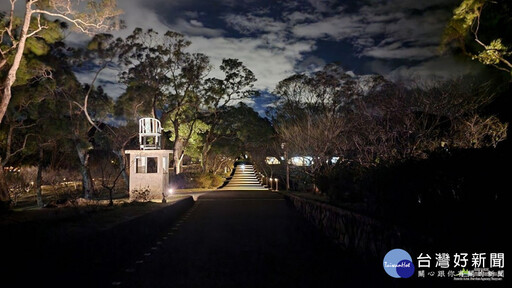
69, 208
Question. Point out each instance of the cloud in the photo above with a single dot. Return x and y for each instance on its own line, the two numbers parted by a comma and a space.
277, 40
195, 28
310, 64
300, 17
337, 27
414, 26
323, 5
394, 51
435, 69
108, 80
270, 62
248, 24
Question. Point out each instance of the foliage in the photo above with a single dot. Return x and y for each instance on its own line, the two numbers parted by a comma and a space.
21, 182
208, 180
196, 140
196, 180
369, 122
446, 181
141, 194
481, 29
162, 76
219, 96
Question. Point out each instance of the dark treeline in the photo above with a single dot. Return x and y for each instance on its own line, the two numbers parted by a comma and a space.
408, 154
58, 130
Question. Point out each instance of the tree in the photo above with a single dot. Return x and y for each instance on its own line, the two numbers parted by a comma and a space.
369, 121
100, 15
219, 94
244, 132
34, 82
162, 75
311, 112
481, 29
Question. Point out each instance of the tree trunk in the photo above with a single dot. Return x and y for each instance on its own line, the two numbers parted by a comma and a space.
178, 157
39, 180
121, 157
11, 75
178, 148
87, 182
204, 156
5, 199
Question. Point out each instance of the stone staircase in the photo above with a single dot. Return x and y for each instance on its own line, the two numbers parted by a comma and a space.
244, 178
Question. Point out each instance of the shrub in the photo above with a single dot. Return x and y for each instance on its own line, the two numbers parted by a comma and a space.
196, 180
208, 180
20, 182
343, 183
141, 194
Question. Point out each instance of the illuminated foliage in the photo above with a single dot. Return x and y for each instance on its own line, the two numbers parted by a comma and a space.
481, 29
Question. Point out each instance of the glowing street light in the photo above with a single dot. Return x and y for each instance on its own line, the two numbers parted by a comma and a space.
277, 187
270, 187
169, 193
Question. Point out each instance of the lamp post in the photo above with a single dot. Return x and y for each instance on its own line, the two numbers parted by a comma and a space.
270, 187
263, 180
277, 186
283, 146
169, 192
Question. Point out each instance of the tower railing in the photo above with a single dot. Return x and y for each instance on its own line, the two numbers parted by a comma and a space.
150, 131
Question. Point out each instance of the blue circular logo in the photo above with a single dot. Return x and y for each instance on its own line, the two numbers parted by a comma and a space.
398, 264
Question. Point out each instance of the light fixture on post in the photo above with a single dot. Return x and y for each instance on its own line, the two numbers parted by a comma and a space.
277, 186
270, 187
285, 150
169, 193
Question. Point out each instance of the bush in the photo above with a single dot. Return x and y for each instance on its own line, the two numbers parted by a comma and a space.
141, 195
20, 182
455, 182
208, 180
343, 183
196, 180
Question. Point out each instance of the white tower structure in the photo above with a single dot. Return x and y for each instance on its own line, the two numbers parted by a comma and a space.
150, 131
149, 166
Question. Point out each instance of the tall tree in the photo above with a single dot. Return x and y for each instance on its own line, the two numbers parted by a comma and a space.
31, 76
164, 78
99, 15
219, 94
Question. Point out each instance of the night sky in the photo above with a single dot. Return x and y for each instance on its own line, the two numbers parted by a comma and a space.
398, 39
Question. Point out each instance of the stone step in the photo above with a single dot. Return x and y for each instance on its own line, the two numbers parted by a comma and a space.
243, 179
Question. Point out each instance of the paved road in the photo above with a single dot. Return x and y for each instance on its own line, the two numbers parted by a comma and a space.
240, 239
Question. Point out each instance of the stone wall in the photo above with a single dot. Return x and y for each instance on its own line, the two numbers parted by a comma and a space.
356, 233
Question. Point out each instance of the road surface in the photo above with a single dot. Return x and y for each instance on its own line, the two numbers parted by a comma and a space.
240, 239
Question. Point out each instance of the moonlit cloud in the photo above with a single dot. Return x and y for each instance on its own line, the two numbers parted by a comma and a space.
395, 38
195, 28
335, 27
270, 64
435, 69
247, 24
395, 51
